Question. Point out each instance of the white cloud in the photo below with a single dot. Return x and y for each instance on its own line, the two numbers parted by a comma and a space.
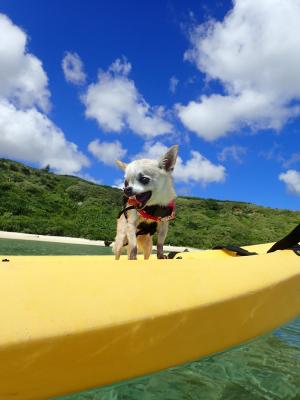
118, 184
152, 150
116, 104
26, 133
173, 84
107, 152
196, 169
255, 54
30, 135
292, 180
274, 153
120, 66
73, 68
234, 152
90, 178
293, 159
22, 78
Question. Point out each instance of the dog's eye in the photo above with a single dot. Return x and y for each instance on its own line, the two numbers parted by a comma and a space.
126, 183
144, 180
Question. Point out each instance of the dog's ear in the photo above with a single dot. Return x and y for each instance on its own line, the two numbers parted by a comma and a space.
121, 164
168, 160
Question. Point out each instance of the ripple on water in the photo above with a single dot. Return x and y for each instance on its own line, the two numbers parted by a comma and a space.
266, 368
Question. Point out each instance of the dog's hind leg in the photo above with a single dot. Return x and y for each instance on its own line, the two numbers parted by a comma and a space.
162, 230
145, 243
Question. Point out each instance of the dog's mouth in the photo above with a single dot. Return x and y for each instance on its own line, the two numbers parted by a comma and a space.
140, 200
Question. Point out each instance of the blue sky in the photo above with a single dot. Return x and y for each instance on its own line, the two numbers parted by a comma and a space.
219, 78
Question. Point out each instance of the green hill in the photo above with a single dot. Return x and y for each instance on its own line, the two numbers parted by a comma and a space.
41, 202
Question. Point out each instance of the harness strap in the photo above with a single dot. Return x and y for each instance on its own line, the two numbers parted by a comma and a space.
296, 250
288, 242
236, 249
159, 213
173, 254
154, 213
124, 211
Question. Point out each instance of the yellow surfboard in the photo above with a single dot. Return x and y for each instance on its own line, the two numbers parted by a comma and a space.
69, 323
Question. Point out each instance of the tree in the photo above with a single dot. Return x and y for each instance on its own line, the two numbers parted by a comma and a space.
46, 168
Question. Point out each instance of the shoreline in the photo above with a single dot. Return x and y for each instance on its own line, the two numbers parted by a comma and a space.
71, 240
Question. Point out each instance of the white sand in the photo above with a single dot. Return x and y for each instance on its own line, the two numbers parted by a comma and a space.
71, 240
46, 238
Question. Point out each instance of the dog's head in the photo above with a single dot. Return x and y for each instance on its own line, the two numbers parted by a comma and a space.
150, 181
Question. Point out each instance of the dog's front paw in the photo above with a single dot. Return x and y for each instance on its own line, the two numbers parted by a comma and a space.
160, 252
161, 256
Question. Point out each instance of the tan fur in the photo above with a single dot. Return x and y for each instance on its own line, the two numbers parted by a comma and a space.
144, 243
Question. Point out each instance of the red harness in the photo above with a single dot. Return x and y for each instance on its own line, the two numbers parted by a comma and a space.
154, 213
154, 217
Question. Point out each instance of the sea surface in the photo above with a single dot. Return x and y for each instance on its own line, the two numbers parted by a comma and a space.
265, 368
10, 247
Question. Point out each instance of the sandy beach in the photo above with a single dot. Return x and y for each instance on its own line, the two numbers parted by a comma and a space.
71, 240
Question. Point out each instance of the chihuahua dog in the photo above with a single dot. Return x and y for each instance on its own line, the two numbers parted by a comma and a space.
148, 205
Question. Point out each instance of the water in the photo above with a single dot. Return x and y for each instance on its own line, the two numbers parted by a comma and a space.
11, 247
267, 368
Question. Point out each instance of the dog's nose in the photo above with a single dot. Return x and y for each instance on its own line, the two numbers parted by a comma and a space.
128, 191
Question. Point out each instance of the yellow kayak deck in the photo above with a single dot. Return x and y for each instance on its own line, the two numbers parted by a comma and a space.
69, 323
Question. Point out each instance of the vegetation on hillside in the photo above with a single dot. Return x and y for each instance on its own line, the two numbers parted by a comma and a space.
41, 202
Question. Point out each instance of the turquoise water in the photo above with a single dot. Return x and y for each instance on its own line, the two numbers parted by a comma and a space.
36, 248
266, 368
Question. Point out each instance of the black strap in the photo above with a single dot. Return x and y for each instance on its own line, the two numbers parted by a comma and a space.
172, 254
236, 249
289, 241
159, 211
296, 250
125, 211
155, 210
